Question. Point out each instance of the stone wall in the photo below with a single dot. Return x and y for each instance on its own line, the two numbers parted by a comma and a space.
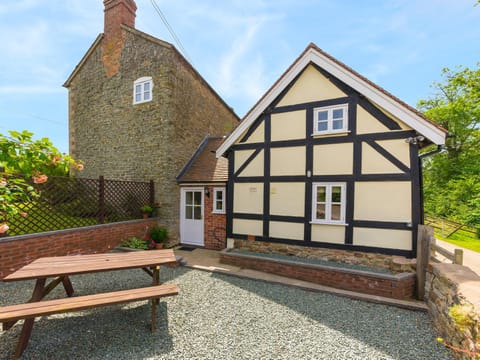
151, 140
17, 251
452, 294
396, 264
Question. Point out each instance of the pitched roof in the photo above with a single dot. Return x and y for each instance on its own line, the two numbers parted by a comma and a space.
203, 166
154, 40
379, 96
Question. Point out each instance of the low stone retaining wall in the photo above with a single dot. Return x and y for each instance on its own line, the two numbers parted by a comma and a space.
16, 251
398, 286
452, 293
395, 264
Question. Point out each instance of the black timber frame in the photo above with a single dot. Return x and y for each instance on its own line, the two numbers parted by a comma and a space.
353, 98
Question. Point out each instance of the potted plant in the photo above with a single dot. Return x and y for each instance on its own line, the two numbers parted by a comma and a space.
159, 235
146, 211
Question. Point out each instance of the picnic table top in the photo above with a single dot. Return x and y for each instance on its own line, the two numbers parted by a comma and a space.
82, 264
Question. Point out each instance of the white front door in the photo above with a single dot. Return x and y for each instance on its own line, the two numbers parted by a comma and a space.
191, 216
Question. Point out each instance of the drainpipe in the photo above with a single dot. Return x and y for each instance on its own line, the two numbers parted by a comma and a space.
420, 174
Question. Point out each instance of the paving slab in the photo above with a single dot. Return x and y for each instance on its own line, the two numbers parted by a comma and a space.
209, 260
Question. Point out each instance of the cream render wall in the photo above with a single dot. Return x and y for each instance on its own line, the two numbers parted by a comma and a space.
248, 227
311, 86
399, 148
333, 159
287, 161
288, 126
248, 198
284, 230
375, 163
258, 136
255, 168
385, 238
287, 199
333, 234
383, 201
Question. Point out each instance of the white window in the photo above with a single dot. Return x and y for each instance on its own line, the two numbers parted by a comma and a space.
330, 119
219, 200
328, 203
142, 90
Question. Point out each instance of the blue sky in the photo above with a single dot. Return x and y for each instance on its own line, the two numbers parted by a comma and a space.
239, 46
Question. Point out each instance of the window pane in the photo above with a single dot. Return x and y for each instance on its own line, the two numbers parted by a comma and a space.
146, 86
138, 97
188, 212
337, 124
197, 198
146, 96
320, 211
188, 199
336, 212
219, 195
336, 194
322, 126
219, 205
197, 212
338, 114
138, 89
323, 115
321, 193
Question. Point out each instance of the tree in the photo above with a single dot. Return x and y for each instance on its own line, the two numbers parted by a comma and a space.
22, 157
452, 178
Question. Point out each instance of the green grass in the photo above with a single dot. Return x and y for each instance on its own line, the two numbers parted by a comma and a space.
40, 220
461, 238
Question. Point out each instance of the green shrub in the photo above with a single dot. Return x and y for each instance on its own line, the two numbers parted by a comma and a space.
135, 243
158, 234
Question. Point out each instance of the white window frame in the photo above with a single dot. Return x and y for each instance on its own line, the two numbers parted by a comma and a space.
215, 210
328, 203
142, 82
330, 129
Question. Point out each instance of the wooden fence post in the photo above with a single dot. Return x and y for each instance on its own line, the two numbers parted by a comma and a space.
101, 200
425, 234
458, 257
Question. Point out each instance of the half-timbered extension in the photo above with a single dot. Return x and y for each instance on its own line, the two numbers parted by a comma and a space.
326, 158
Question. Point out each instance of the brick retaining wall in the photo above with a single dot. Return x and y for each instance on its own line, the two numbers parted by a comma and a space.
398, 286
16, 251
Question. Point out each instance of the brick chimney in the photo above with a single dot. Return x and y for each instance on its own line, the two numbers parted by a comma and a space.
118, 12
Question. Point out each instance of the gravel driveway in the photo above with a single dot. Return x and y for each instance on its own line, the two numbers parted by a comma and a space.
222, 317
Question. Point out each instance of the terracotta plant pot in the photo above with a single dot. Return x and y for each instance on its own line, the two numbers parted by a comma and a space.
159, 246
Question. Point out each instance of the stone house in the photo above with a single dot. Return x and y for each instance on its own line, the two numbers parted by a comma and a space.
138, 109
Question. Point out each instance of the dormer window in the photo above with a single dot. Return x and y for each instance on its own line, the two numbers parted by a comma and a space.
330, 119
142, 90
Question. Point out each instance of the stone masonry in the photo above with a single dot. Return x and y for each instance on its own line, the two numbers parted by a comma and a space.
151, 140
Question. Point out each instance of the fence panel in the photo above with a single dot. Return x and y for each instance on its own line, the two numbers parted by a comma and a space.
67, 202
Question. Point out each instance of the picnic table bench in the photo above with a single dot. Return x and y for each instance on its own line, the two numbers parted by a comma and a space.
63, 267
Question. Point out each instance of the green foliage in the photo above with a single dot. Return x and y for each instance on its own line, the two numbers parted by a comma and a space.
158, 234
135, 243
21, 156
146, 209
452, 178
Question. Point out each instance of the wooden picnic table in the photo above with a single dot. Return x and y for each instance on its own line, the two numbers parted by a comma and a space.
62, 267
